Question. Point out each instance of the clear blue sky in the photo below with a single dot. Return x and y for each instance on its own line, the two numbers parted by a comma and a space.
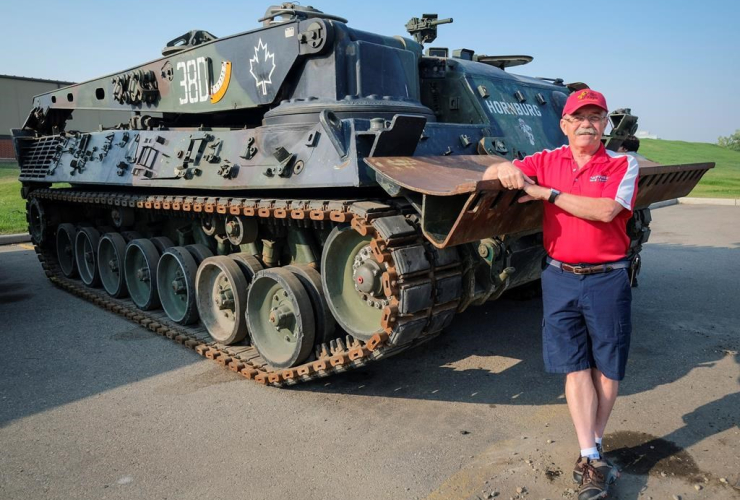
675, 63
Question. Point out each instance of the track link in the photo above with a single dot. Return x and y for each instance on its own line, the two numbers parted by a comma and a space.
423, 285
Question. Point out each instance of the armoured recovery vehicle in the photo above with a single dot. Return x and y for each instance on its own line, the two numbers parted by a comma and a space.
303, 198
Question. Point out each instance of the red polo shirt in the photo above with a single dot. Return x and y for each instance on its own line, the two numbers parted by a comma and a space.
571, 239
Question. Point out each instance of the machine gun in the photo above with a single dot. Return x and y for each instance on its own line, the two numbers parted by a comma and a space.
424, 29
624, 124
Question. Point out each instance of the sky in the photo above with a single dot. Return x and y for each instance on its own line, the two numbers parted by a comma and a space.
675, 63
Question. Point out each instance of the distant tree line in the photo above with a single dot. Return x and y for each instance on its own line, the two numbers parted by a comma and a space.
730, 142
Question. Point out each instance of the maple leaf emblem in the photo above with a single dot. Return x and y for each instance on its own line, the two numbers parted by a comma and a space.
261, 70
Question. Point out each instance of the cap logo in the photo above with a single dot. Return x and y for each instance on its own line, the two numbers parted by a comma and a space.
584, 95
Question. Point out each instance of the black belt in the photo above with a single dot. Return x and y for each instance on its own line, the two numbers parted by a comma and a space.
589, 269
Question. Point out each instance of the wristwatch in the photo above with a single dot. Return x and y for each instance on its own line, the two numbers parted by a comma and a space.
554, 193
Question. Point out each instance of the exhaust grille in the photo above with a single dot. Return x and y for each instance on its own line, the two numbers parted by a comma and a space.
37, 156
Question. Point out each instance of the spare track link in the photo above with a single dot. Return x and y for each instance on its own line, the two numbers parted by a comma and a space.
414, 267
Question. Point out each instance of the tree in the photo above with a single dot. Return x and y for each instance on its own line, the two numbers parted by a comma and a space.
730, 142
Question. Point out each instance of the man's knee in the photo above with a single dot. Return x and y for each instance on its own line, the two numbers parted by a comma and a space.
579, 376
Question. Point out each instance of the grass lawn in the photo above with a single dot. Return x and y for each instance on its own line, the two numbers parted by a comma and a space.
723, 181
12, 206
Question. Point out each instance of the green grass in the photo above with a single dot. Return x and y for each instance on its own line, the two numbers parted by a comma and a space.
12, 206
723, 181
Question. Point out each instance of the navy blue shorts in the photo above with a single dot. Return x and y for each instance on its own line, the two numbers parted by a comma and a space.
587, 321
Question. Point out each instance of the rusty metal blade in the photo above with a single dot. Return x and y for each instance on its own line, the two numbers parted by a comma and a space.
437, 175
666, 182
460, 207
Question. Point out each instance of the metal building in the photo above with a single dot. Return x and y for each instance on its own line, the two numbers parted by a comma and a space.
16, 99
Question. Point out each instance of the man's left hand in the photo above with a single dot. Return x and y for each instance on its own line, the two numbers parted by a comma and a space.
534, 192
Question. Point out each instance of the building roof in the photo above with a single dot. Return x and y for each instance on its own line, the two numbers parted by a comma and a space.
13, 77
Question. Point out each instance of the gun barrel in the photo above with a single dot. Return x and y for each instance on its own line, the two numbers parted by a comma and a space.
441, 21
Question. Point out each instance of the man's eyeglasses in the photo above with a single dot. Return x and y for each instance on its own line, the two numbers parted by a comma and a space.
580, 118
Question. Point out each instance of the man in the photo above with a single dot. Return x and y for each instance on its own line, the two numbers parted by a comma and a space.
630, 146
589, 195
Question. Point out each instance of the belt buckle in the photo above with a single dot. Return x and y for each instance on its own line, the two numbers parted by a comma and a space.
581, 270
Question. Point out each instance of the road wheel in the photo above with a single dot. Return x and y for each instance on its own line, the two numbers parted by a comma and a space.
111, 252
140, 269
86, 250
280, 318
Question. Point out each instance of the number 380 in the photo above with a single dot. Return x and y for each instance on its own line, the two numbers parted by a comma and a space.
194, 80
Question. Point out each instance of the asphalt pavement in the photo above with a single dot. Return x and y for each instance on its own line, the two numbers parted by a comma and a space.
93, 406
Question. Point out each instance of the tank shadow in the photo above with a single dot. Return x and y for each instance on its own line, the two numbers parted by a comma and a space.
492, 354
57, 349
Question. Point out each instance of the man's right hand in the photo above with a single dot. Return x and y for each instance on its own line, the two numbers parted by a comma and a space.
509, 175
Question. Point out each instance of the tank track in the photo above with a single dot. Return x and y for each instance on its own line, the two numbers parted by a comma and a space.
396, 241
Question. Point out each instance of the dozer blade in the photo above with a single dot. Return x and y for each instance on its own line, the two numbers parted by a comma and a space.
458, 206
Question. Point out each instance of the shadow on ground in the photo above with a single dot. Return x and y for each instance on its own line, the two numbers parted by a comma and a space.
57, 349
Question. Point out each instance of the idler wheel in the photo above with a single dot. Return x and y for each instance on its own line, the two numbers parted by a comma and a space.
111, 252
280, 318
176, 273
221, 297
37, 222
311, 281
140, 270
352, 282
66, 249
86, 255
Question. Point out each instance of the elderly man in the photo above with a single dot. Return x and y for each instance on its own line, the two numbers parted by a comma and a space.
589, 195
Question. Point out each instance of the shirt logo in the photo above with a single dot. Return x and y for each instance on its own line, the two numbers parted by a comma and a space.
599, 178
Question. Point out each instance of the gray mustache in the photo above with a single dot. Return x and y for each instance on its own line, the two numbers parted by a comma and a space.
586, 131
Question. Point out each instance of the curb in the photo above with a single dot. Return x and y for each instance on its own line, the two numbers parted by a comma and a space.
12, 239
710, 201
661, 204
727, 202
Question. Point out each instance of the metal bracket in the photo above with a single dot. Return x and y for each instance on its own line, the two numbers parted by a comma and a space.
285, 158
227, 170
316, 38
250, 150
135, 87
121, 168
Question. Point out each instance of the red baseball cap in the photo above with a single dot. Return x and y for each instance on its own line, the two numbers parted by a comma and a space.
584, 97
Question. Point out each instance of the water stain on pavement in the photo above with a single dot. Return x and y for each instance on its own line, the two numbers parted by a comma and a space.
133, 334
11, 292
213, 376
640, 454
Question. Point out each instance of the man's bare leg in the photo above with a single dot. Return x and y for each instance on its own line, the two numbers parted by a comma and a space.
606, 391
583, 403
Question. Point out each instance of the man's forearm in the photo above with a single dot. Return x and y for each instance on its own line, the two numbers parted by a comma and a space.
584, 207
